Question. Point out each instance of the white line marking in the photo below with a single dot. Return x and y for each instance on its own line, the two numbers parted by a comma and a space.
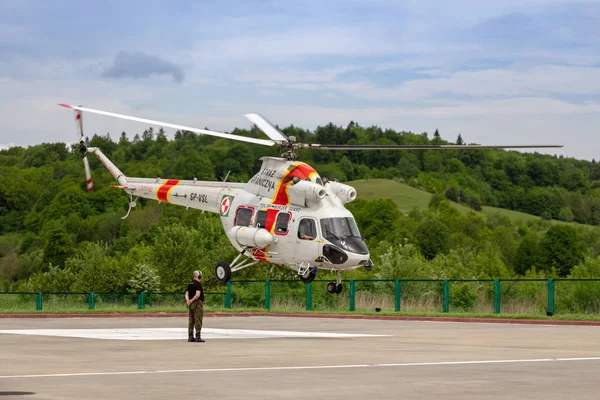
178, 333
421, 364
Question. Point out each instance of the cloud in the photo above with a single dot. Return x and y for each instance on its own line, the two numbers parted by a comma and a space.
544, 80
274, 77
142, 65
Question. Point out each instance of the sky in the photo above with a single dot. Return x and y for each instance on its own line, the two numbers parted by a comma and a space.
498, 73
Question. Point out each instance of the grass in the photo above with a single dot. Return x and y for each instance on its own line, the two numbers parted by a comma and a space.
365, 302
407, 197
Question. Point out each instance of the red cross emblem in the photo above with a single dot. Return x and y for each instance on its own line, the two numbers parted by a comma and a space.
226, 205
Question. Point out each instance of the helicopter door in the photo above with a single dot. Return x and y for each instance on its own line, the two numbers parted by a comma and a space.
307, 243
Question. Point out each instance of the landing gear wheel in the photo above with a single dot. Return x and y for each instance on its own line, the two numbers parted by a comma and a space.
338, 288
331, 287
223, 272
309, 276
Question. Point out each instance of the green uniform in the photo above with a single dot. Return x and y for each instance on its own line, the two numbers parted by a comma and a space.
196, 313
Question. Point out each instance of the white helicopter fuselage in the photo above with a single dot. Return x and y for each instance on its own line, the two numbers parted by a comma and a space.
286, 214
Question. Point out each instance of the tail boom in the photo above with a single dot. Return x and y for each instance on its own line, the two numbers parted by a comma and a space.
201, 195
112, 168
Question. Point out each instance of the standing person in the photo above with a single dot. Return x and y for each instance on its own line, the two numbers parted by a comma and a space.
194, 297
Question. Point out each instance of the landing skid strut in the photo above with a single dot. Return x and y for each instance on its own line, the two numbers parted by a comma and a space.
132, 204
223, 270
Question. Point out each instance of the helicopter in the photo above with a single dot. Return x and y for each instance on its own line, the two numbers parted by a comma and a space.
286, 214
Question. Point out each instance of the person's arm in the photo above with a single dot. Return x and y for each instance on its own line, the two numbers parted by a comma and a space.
187, 298
196, 296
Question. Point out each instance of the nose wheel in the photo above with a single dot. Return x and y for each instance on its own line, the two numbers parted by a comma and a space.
335, 287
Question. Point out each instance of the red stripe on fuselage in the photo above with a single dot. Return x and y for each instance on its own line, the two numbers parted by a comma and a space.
300, 171
162, 194
259, 254
270, 224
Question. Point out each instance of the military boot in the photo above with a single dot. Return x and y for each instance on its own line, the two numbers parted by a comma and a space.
199, 339
191, 337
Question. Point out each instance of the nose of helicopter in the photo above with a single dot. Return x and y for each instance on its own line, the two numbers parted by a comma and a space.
362, 260
348, 252
357, 252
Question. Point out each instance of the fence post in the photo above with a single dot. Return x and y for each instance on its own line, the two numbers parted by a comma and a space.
497, 296
228, 296
352, 295
397, 294
550, 311
309, 296
91, 301
268, 294
446, 299
38, 301
141, 301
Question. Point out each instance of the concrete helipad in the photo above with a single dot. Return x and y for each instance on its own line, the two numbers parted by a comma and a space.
176, 333
295, 358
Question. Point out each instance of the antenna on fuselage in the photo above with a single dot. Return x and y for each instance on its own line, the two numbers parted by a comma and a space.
226, 176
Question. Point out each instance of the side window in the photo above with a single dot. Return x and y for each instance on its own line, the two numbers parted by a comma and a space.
281, 224
243, 216
261, 219
307, 229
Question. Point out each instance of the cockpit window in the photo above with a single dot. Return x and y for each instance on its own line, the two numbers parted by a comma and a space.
307, 229
339, 228
281, 224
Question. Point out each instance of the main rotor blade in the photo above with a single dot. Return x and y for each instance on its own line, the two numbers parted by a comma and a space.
88, 175
174, 126
267, 127
79, 125
419, 147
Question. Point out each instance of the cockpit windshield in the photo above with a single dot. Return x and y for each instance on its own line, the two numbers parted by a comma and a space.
339, 228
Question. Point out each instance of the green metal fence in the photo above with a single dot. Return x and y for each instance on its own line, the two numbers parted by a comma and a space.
507, 296
103, 301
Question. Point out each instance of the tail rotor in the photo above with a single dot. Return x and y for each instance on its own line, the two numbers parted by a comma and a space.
83, 150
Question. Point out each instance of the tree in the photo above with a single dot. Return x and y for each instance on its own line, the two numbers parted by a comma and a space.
437, 139
148, 134
459, 140
452, 194
528, 254
436, 199
561, 248
376, 219
474, 203
433, 238
123, 140
57, 247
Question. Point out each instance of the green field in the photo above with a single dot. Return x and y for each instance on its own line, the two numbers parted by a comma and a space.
407, 197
